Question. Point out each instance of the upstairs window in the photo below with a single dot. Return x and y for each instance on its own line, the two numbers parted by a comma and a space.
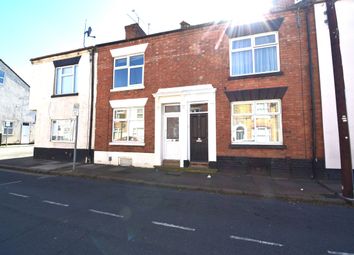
2, 77
66, 80
129, 71
254, 54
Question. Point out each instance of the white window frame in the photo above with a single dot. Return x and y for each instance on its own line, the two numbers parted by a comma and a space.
59, 72
253, 47
72, 131
129, 67
2, 78
12, 128
128, 119
126, 52
254, 115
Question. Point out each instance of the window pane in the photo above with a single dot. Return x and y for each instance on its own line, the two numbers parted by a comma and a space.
266, 59
273, 107
136, 131
261, 108
120, 114
244, 122
120, 131
172, 108
57, 81
242, 62
137, 60
2, 76
67, 70
121, 78
265, 39
267, 129
239, 44
242, 108
199, 107
172, 128
120, 62
140, 113
67, 83
136, 76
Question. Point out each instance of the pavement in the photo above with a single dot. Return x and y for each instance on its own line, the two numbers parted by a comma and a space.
225, 181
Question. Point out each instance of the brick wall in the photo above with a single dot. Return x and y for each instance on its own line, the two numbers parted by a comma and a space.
201, 56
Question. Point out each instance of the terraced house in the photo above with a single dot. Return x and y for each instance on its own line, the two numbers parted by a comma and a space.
244, 96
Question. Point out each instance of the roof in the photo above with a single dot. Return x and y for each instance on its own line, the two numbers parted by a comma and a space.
14, 72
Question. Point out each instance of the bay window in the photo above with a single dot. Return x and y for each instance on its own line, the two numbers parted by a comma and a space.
128, 125
256, 122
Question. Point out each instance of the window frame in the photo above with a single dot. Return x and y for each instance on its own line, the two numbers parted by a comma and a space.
2, 77
128, 119
128, 67
7, 128
254, 115
72, 131
74, 74
253, 47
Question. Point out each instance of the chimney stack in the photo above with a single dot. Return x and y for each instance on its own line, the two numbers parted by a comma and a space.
133, 31
184, 25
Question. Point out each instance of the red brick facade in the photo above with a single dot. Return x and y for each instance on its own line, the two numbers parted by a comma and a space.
200, 55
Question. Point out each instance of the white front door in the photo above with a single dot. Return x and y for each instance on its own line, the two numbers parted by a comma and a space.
171, 139
25, 133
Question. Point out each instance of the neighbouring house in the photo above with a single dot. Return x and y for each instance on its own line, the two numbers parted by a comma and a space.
16, 120
64, 86
245, 97
344, 10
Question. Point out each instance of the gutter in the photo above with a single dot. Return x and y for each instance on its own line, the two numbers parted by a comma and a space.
92, 59
312, 95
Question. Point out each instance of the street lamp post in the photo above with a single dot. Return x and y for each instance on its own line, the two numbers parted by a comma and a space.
76, 114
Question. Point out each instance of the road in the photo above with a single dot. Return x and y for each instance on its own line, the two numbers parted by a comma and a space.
65, 215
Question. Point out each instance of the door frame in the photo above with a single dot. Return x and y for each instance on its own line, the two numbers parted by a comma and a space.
164, 126
189, 125
185, 96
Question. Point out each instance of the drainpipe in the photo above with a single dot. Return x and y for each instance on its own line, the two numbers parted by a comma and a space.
92, 59
312, 94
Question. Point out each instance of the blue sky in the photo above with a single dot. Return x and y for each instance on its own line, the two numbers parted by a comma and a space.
33, 28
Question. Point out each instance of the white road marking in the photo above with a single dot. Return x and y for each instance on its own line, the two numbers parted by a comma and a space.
54, 203
18, 195
8, 183
172, 226
255, 241
45, 177
339, 253
106, 213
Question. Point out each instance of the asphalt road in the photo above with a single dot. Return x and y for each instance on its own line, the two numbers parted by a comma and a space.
67, 215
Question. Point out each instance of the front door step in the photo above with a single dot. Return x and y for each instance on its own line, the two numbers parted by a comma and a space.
195, 167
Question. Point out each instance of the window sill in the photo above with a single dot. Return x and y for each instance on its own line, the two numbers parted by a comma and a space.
128, 88
259, 75
126, 144
258, 146
69, 142
65, 95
